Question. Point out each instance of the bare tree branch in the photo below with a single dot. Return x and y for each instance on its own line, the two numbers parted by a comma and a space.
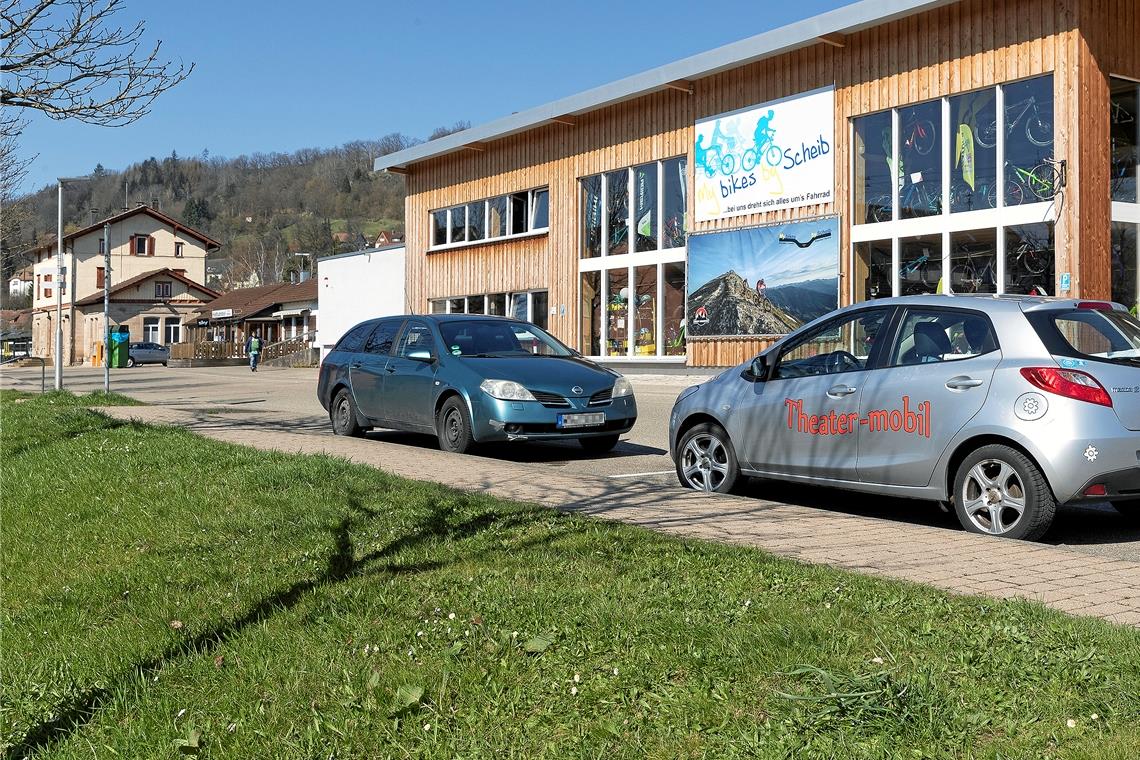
69, 60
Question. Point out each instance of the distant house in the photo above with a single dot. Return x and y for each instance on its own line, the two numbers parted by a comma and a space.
223, 275
158, 272
15, 332
21, 283
387, 238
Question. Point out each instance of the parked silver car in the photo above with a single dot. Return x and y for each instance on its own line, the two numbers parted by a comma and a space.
1005, 406
146, 352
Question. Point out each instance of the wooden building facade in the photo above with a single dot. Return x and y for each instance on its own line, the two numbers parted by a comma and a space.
519, 187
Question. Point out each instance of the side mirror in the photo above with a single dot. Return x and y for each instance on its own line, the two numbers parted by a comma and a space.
759, 368
420, 356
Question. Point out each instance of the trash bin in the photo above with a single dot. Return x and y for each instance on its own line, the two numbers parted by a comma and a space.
120, 346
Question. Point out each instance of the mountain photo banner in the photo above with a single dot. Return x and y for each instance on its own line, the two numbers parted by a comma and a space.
773, 156
765, 280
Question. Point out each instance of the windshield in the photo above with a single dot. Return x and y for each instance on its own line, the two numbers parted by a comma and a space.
497, 338
1100, 334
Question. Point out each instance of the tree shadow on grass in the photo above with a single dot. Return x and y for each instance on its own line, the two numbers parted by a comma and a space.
74, 713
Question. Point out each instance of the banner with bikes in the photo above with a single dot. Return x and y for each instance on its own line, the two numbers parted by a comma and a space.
767, 157
766, 280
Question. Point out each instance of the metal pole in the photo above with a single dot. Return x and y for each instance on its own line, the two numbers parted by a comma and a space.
106, 307
59, 289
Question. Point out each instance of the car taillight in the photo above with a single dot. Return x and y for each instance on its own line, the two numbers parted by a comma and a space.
1070, 383
1095, 305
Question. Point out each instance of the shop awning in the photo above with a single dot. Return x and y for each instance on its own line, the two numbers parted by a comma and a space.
289, 313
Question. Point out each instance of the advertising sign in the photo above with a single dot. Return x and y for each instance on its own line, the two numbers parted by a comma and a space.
766, 280
768, 157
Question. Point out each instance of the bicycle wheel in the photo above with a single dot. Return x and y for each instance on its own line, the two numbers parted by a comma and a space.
773, 155
1043, 181
923, 137
987, 135
748, 160
1039, 130
963, 279
879, 209
1014, 194
728, 164
1034, 260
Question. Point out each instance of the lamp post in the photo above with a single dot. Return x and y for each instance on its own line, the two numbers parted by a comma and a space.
106, 307
60, 274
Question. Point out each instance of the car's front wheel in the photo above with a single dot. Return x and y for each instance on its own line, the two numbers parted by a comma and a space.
999, 491
453, 427
706, 459
130, 361
343, 414
599, 444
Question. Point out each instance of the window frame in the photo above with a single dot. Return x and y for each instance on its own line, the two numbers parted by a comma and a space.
874, 359
489, 235
1125, 212
906, 312
163, 289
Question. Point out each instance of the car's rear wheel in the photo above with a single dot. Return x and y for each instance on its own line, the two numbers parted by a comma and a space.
599, 444
343, 414
706, 459
998, 491
453, 427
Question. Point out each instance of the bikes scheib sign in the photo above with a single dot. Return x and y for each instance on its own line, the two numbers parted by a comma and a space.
767, 157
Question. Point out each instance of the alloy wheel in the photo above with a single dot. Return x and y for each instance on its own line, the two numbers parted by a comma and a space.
704, 462
993, 496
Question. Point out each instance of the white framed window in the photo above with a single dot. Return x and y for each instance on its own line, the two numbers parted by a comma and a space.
957, 194
172, 330
527, 305
505, 216
150, 329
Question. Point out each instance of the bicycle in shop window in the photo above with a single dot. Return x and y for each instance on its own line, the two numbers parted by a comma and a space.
915, 199
918, 276
1028, 267
1040, 183
919, 134
1123, 174
1027, 115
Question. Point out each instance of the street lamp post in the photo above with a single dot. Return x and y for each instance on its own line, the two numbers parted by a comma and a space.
106, 307
60, 274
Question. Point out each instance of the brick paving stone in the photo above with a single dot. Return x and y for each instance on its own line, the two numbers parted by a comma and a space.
954, 561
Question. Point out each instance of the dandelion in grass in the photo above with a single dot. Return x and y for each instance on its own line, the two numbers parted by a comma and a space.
1094, 716
427, 727
577, 678
877, 660
451, 616
573, 691
1071, 723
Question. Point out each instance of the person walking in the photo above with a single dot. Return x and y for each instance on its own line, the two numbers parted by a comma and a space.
253, 347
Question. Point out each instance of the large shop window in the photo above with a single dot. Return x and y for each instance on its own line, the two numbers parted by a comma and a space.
632, 295
1124, 154
503, 216
949, 195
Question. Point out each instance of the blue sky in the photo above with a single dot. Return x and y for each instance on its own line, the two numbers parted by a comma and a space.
757, 252
283, 75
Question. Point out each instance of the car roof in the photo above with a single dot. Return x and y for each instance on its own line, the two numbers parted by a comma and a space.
447, 317
988, 302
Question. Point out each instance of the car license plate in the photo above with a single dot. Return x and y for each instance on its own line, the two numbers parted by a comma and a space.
581, 420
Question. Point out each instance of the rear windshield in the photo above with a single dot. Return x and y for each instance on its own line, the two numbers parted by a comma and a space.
494, 338
1111, 335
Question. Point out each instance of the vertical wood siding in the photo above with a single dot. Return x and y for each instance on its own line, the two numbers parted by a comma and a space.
956, 48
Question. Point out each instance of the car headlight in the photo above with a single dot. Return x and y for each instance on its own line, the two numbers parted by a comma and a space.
622, 387
507, 390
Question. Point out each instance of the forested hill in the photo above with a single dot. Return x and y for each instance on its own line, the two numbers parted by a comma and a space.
262, 207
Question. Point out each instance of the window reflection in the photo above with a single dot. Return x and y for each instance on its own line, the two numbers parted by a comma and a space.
617, 334
1124, 116
920, 264
592, 216
1125, 273
872, 187
645, 206
645, 311
673, 226
873, 269
920, 161
590, 309
1029, 140
673, 309
617, 212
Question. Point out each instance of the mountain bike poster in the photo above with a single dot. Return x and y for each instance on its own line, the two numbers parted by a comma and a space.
765, 280
768, 157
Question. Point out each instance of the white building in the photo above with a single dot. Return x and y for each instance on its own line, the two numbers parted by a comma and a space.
21, 283
357, 286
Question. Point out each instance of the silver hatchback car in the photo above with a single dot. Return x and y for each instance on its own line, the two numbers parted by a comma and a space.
1004, 406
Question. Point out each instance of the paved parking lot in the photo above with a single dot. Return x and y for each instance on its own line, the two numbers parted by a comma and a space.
276, 408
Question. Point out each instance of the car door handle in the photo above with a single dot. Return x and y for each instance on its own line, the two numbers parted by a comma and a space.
354, 365
390, 369
837, 391
962, 382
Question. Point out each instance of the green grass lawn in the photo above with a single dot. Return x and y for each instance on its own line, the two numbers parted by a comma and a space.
166, 594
